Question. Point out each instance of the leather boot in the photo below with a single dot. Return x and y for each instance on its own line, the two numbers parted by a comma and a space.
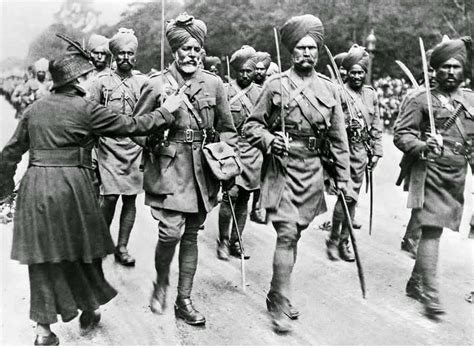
281, 322
158, 298
345, 252
223, 250
331, 250
414, 288
50, 340
236, 251
293, 313
433, 308
184, 309
89, 319
123, 257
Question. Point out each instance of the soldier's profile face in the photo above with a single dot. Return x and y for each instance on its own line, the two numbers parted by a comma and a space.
450, 74
356, 76
246, 75
126, 58
305, 54
260, 72
188, 56
99, 58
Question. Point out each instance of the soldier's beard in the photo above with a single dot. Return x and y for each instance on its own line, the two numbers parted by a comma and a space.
187, 66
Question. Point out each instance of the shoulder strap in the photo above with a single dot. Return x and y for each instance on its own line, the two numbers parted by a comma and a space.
242, 96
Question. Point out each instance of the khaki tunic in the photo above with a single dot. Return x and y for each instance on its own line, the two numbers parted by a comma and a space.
436, 185
292, 188
176, 176
366, 102
250, 156
118, 157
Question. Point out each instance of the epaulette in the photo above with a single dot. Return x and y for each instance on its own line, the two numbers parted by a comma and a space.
209, 73
466, 89
369, 87
104, 73
276, 76
324, 77
156, 74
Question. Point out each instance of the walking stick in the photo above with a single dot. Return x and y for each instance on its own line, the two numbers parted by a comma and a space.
360, 271
371, 181
242, 253
282, 106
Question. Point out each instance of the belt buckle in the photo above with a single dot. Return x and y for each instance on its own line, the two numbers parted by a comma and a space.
312, 143
457, 149
189, 136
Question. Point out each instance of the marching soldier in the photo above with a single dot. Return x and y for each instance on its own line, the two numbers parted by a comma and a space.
364, 132
242, 94
292, 189
178, 184
437, 178
119, 157
262, 62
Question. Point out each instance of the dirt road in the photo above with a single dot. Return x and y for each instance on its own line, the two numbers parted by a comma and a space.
326, 293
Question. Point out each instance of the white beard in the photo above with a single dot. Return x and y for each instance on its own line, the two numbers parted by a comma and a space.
187, 68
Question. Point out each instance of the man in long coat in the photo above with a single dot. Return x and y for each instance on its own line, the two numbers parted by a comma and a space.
364, 132
438, 175
119, 157
242, 94
292, 188
179, 187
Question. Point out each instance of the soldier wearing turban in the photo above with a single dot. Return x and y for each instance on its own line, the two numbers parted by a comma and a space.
262, 62
178, 185
242, 94
438, 175
364, 132
338, 58
292, 182
98, 46
212, 64
119, 90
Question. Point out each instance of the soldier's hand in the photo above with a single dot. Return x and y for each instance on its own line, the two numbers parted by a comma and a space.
279, 145
172, 102
435, 143
373, 162
342, 186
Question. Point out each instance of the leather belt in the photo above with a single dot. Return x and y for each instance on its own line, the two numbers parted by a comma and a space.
310, 142
187, 136
61, 157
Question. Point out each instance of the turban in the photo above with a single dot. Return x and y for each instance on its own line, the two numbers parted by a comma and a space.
210, 61
272, 69
428, 55
262, 57
122, 38
338, 58
241, 56
356, 55
184, 27
41, 65
450, 49
298, 27
98, 41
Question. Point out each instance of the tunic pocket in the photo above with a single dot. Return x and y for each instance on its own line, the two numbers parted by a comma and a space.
206, 108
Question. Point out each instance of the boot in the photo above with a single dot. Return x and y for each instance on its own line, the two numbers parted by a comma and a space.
293, 313
123, 257
345, 252
184, 309
89, 319
223, 250
50, 340
280, 321
414, 289
332, 252
356, 225
235, 250
433, 308
158, 298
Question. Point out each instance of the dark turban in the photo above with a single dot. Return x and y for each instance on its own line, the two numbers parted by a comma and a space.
241, 56
210, 61
124, 37
262, 57
184, 27
450, 49
356, 55
298, 27
338, 58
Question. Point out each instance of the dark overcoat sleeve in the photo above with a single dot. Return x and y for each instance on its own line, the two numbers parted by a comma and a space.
147, 102
376, 127
407, 131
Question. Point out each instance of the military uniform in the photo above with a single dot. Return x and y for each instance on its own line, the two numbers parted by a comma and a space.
364, 134
292, 188
119, 157
178, 184
241, 103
